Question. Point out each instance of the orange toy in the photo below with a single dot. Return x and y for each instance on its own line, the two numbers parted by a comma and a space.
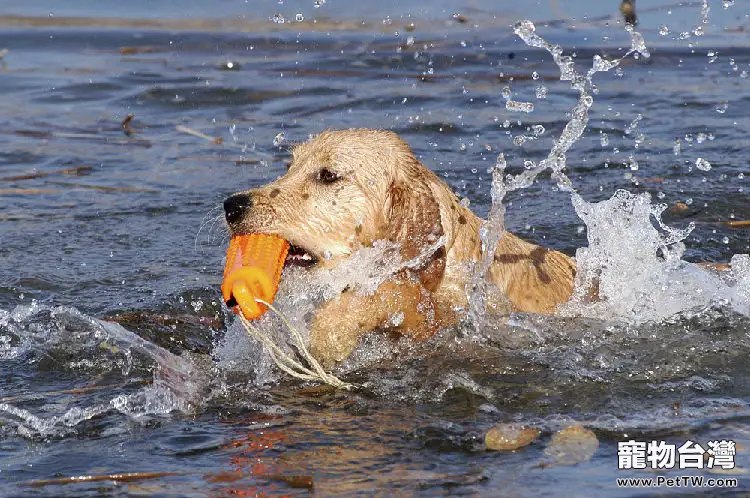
253, 270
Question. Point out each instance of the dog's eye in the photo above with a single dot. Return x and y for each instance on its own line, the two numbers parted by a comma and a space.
325, 175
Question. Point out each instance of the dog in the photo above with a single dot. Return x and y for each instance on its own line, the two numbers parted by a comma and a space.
343, 191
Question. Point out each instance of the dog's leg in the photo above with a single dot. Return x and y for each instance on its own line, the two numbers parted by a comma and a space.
338, 325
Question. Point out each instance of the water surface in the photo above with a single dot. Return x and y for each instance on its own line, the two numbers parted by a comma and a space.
99, 224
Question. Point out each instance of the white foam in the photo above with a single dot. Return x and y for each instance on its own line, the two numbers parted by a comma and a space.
632, 267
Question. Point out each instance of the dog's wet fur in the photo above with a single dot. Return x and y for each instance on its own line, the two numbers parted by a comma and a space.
347, 189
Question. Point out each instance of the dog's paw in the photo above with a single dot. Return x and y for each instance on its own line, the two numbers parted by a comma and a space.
333, 337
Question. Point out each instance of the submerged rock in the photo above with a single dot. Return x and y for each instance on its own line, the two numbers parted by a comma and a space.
571, 446
508, 437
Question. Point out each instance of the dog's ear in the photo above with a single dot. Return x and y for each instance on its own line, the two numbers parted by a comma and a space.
414, 223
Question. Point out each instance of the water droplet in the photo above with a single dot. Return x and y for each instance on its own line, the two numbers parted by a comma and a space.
318, 3
725, 239
506, 93
278, 18
677, 147
279, 139
727, 3
633, 124
603, 139
514, 106
722, 107
538, 130
702, 164
299, 18
637, 43
705, 8
534, 75
663, 30
541, 92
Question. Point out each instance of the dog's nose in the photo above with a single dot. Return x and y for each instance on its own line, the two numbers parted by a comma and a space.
236, 206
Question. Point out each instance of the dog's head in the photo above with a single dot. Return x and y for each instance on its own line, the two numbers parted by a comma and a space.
345, 190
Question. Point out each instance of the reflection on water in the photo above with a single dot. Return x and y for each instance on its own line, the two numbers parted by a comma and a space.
124, 223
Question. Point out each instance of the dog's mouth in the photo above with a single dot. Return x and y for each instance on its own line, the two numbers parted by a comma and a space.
297, 256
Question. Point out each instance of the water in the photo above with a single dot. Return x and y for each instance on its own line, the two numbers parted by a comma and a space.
132, 232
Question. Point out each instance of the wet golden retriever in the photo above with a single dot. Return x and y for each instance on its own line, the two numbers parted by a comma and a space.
347, 189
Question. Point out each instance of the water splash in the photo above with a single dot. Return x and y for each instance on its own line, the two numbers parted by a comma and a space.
300, 295
490, 234
493, 228
582, 83
632, 268
66, 339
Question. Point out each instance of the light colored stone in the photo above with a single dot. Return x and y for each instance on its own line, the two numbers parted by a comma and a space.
572, 445
508, 437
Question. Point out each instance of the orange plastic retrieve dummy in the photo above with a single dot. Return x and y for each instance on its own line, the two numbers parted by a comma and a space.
253, 270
